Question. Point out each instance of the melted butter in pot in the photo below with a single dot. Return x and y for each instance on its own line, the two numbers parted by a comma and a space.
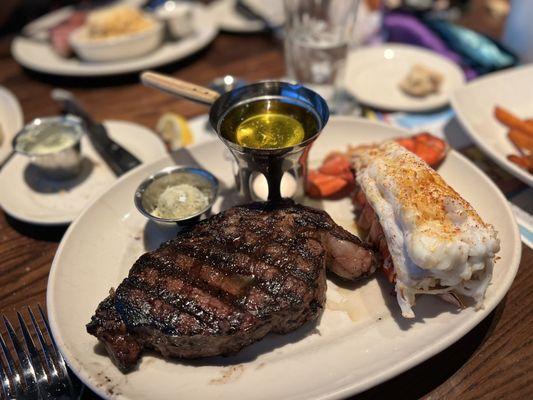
268, 124
348, 303
270, 131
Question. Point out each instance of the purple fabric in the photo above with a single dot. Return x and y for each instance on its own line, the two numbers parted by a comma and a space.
406, 28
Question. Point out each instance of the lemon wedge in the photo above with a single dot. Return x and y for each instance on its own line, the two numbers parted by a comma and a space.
174, 131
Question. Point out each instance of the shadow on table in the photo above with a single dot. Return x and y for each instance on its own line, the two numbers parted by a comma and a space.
40, 232
426, 377
40, 183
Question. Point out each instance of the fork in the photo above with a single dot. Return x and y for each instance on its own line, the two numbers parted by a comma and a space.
25, 375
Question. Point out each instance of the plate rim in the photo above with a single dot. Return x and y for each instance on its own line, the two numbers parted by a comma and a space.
69, 219
18, 117
508, 166
401, 47
349, 389
449, 339
120, 68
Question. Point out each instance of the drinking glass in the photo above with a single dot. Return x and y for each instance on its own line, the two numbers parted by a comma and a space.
317, 35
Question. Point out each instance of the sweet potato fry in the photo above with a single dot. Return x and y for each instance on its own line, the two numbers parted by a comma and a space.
335, 165
521, 140
524, 162
429, 148
320, 185
512, 121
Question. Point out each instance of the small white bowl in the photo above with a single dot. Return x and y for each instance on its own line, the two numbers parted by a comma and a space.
178, 16
62, 163
117, 47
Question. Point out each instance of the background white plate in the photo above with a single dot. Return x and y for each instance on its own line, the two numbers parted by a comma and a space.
474, 105
337, 357
29, 197
11, 120
41, 57
374, 73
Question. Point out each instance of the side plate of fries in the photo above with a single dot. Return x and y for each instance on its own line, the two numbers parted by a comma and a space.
521, 134
496, 111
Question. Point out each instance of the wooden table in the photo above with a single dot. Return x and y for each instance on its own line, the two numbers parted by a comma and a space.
494, 360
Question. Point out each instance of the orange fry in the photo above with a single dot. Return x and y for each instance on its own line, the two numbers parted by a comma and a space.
522, 161
320, 185
512, 121
408, 143
522, 141
429, 148
335, 165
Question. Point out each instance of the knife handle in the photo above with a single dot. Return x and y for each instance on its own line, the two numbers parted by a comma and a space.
178, 87
116, 157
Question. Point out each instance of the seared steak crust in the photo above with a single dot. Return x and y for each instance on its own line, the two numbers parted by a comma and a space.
226, 283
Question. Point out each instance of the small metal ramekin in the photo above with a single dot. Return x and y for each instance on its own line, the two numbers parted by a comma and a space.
62, 164
150, 189
272, 163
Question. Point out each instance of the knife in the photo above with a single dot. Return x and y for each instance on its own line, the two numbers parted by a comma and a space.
116, 157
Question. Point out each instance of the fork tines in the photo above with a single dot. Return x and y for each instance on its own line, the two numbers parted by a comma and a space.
32, 373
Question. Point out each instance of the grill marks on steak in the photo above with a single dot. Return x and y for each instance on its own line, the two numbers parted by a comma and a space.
228, 282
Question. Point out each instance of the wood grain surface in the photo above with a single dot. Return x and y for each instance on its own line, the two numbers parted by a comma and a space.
493, 361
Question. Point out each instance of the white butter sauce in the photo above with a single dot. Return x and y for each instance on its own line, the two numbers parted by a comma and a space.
180, 201
49, 140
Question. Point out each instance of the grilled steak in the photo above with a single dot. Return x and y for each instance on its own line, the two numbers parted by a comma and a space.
227, 282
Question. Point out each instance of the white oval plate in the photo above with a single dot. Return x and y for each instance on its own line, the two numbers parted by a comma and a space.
474, 105
373, 75
41, 57
337, 357
29, 197
229, 19
11, 120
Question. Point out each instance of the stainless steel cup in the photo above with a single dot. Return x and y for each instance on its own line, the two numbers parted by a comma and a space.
62, 164
272, 163
148, 192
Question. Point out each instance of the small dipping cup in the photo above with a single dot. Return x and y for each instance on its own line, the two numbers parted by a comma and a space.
61, 162
232, 108
148, 192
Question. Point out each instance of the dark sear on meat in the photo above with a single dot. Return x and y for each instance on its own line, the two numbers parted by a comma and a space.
228, 282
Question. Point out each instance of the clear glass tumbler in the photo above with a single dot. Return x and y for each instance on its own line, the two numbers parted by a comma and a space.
317, 35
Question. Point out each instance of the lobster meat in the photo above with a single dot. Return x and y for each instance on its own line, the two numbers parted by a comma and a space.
335, 178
